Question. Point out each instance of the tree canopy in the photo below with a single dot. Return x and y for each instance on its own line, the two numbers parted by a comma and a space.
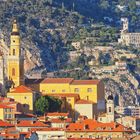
47, 104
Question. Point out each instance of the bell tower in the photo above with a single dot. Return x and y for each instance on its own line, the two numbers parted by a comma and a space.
15, 58
110, 108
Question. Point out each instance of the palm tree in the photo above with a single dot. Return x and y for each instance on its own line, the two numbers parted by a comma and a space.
62, 118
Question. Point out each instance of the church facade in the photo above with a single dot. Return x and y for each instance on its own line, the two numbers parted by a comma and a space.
12, 63
15, 59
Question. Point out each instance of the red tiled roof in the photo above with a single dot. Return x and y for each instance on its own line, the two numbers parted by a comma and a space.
57, 80
94, 126
57, 114
68, 120
21, 89
10, 136
5, 124
27, 123
5, 106
85, 82
84, 102
9, 133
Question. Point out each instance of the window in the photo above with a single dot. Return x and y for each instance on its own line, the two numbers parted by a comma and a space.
14, 41
109, 109
63, 90
76, 90
13, 71
25, 97
89, 90
53, 90
8, 110
87, 97
87, 126
14, 51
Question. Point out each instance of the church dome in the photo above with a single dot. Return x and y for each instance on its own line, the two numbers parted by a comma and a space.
110, 97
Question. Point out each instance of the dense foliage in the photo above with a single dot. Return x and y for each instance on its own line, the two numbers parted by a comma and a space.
47, 104
50, 24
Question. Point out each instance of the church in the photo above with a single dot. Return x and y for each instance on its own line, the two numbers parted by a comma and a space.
79, 93
12, 64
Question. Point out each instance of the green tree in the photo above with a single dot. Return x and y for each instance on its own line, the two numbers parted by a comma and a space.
41, 105
54, 104
47, 104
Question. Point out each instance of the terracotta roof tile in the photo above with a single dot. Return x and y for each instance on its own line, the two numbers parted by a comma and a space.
21, 89
57, 80
5, 106
94, 126
27, 123
84, 102
10, 136
85, 82
5, 124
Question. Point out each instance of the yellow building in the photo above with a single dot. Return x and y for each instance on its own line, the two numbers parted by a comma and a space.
6, 112
15, 60
23, 95
92, 90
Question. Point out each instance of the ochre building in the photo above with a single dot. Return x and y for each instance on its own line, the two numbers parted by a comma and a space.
15, 60
92, 90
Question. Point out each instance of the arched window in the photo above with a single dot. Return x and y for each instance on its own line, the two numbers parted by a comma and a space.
13, 71
14, 51
109, 109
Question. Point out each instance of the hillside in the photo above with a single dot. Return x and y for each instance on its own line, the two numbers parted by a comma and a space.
47, 28
44, 30
47, 25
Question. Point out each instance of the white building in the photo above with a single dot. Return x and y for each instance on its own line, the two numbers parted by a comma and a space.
85, 108
130, 121
109, 115
128, 38
50, 134
128, 111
